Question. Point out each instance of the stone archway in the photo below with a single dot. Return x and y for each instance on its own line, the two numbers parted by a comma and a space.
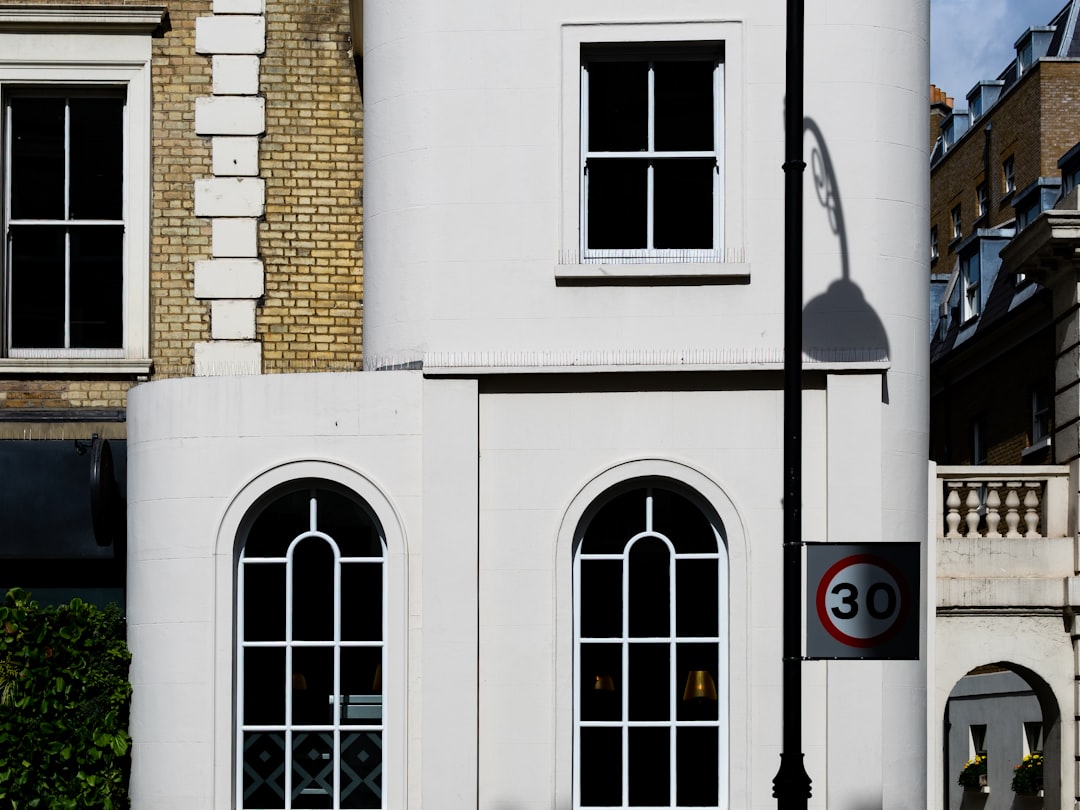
1002, 711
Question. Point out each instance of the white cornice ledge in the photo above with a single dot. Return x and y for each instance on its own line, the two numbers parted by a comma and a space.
81, 18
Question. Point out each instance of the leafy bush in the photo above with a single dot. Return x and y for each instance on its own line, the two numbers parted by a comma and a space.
1028, 775
64, 695
969, 777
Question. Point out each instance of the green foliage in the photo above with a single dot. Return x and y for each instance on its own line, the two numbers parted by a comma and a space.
64, 695
969, 777
1028, 775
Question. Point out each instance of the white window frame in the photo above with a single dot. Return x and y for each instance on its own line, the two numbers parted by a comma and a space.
933, 243
49, 48
650, 54
956, 216
1008, 171
395, 622
312, 534
729, 262
982, 199
972, 284
1042, 402
721, 723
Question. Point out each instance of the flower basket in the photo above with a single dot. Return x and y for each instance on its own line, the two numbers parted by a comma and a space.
973, 776
1028, 775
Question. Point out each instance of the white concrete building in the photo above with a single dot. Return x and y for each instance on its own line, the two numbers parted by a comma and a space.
447, 581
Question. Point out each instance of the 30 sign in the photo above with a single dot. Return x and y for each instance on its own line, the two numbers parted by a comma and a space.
862, 600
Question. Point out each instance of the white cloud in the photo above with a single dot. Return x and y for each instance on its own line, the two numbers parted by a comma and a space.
973, 39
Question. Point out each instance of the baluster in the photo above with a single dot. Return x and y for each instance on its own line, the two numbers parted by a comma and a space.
993, 509
952, 517
1012, 507
1031, 510
972, 516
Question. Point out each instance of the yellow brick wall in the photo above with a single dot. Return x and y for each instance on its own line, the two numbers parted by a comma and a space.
311, 239
311, 158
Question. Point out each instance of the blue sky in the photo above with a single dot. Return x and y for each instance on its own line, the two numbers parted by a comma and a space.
973, 39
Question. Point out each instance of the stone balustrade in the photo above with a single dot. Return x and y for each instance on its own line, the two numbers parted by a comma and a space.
1015, 503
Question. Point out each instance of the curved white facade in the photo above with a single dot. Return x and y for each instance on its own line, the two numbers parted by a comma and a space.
545, 377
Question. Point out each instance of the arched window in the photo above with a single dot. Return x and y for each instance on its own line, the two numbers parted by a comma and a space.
311, 624
650, 636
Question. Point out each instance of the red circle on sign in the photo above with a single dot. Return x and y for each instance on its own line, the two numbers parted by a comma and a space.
823, 613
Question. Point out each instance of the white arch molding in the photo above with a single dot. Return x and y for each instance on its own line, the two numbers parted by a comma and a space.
395, 653
716, 503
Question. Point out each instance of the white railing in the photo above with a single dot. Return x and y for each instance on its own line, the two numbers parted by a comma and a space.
1003, 502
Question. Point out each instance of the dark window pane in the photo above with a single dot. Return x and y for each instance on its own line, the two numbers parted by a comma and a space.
313, 769
683, 203
650, 767
601, 767
279, 523
649, 573
615, 523
37, 287
349, 523
601, 681
618, 106
649, 681
264, 602
601, 598
361, 769
361, 601
97, 287
37, 158
264, 686
691, 658
313, 590
361, 675
312, 680
697, 610
698, 767
683, 523
617, 207
684, 106
264, 769
97, 158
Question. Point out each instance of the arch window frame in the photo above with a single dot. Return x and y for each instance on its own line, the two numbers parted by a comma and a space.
341, 733
627, 641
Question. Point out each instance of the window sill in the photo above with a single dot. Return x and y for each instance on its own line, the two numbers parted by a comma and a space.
1041, 444
75, 366
675, 273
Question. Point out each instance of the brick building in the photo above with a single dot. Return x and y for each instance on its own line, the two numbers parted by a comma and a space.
239, 196
994, 168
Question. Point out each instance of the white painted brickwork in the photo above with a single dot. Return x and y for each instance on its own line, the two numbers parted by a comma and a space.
235, 156
230, 34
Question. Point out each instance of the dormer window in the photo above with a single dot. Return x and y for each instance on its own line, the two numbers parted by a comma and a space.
982, 97
1031, 47
953, 127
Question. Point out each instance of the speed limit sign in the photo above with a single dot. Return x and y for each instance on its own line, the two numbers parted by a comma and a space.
862, 600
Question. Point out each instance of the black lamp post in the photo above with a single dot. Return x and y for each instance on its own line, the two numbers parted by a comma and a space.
791, 785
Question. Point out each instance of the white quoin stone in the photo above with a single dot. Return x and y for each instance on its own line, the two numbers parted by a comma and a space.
230, 197
236, 75
235, 156
230, 115
238, 6
232, 320
234, 238
229, 278
241, 33
228, 358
